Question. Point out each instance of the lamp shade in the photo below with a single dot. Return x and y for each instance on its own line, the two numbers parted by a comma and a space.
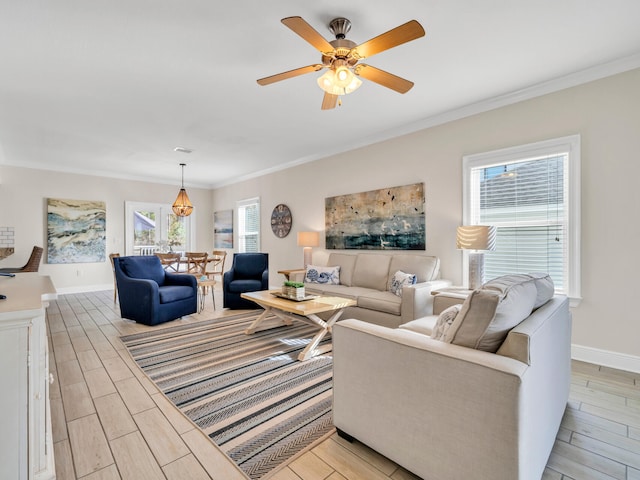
476, 237
308, 239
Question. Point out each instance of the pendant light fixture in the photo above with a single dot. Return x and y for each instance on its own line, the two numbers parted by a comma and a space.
182, 207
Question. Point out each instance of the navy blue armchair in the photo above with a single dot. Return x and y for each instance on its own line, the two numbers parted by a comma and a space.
249, 272
150, 295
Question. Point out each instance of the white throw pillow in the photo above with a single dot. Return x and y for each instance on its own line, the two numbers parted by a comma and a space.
444, 322
399, 280
324, 275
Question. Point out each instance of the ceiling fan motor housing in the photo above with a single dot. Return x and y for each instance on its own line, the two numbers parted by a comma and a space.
342, 47
340, 27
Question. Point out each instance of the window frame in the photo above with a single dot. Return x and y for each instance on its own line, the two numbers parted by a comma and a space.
569, 145
241, 204
161, 210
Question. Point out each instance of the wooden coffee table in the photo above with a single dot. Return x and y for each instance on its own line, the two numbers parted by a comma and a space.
306, 310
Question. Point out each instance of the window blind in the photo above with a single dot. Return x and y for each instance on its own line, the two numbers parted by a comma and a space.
249, 226
527, 201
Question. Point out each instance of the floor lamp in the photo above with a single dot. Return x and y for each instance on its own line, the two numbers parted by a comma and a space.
308, 240
478, 238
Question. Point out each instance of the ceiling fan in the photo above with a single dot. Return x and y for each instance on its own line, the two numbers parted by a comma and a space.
341, 56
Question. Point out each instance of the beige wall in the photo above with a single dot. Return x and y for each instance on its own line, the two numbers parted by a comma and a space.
23, 194
606, 113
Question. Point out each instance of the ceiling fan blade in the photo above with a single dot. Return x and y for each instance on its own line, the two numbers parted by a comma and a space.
308, 33
383, 78
394, 37
290, 74
329, 101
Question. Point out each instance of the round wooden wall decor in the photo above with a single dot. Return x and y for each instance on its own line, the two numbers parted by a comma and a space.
281, 220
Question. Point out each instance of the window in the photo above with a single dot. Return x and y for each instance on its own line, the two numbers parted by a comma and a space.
153, 227
532, 195
249, 225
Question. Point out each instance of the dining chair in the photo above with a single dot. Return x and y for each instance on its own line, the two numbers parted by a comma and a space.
170, 261
113, 269
197, 263
32, 265
197, 266
215, 264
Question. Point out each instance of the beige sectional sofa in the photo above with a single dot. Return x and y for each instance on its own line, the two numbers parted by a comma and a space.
367, 278
444, 410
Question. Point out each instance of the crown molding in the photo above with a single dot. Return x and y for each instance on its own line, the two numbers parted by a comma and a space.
575, 79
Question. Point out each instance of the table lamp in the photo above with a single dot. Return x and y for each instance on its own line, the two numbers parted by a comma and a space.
308, 240
478, 238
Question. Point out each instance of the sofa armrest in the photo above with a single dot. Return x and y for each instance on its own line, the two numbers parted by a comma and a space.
442, 301
136, 287
136, 294
417, 300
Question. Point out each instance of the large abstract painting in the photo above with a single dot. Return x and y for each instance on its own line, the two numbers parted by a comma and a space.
386, 219
223, 229
76, 231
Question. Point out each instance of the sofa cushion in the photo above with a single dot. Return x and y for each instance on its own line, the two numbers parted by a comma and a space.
242, 286
346, 263
372, 271
545, 287
328, 275
249, 265
443, 325
425, 267
423, 325
335, 290
385, 302
490, 312
399, 280
173, 293
542, 281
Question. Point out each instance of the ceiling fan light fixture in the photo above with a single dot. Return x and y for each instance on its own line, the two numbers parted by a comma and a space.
343, 76
340, 81
182, 207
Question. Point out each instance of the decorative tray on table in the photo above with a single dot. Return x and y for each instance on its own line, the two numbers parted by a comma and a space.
294, 299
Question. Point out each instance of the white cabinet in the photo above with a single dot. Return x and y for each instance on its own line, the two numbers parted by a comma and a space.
26, 448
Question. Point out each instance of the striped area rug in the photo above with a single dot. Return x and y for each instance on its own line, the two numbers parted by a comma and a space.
248, 393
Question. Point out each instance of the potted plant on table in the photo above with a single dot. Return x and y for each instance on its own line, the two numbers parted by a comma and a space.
293, 290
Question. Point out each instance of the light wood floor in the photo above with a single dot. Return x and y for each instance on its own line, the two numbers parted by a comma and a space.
111, 422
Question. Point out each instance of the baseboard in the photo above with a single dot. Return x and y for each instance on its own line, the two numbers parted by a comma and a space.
84, 289
620, 361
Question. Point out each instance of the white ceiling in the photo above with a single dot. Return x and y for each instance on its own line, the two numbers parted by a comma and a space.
110, 87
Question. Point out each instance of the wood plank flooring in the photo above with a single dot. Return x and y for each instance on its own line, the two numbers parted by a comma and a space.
110, 421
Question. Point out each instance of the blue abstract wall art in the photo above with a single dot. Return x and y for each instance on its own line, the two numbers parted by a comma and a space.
76, 231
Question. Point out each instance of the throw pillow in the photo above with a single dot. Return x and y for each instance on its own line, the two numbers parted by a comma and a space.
399, 280
490, 312
325, 275
444, 322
